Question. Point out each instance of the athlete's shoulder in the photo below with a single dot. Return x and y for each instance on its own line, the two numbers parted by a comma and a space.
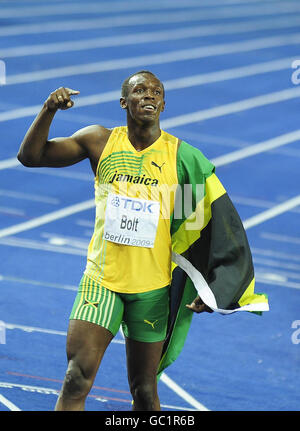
92, 132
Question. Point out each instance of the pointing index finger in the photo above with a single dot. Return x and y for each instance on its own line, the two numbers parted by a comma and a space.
72, 92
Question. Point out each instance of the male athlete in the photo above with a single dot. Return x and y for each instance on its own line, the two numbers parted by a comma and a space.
128, 271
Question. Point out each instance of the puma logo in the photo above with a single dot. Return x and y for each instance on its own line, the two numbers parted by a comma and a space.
157, 166
151, 323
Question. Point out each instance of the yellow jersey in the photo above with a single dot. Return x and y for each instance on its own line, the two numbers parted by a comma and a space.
130, 250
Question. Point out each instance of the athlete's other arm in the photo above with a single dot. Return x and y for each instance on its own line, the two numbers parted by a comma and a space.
37, 150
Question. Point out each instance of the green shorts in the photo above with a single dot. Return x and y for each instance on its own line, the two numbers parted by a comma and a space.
143, 316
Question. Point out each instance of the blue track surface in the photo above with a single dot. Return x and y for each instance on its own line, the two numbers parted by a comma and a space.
237, 362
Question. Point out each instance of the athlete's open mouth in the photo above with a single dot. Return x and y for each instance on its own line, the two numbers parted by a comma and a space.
151, 108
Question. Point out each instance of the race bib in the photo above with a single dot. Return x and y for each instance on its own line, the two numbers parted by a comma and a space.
131, 221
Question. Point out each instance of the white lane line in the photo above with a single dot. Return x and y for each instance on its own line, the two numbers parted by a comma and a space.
228, 74
160, 58
209, 2
29, 197
13, 114
231, 108
13, 279
11, 406
278, 274
47, 331
12, 211
182, 393
42, 246
276, 264
34, 329
261, 147
281, 238
59, 239
47, 218
272, 212
94, 8
70, 174
9, 163
50, 391
29, 388
29, 111
276, 254
183, 409
172, 84
270, 279
100, 42
147, 37
252, 202
257, 203
120, 6
21, 2
150, 18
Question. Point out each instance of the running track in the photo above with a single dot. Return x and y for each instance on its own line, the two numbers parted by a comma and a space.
227, 69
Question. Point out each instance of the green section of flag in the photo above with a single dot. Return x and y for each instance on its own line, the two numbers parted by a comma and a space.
218, 249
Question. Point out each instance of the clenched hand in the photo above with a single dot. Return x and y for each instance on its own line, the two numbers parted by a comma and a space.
61, 99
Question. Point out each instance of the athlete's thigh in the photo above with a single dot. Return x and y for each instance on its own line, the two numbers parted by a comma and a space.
95, 319
86, 345
142, 360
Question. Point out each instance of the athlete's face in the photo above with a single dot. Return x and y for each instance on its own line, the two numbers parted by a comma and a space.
145, 99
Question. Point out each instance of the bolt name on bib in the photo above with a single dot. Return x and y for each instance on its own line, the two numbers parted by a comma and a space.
131, 221
129, 224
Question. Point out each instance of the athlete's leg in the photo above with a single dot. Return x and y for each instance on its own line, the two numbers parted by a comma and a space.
95, 319
145, 324
142, 364
86, 344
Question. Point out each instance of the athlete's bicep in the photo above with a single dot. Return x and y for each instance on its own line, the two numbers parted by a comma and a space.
85, 143
59, 152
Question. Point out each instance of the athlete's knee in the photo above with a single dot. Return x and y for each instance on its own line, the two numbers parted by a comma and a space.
144, 394
76, 384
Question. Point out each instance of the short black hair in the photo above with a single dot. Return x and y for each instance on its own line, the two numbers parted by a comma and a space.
125, 85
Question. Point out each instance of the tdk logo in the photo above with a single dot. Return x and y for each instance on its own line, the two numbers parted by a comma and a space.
115, 201
135, 205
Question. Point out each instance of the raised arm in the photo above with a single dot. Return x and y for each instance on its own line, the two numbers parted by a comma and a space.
36, 150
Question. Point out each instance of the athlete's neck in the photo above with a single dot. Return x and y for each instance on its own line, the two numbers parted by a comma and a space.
142, 136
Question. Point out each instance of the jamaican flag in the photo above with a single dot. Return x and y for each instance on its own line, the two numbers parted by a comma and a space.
211, 256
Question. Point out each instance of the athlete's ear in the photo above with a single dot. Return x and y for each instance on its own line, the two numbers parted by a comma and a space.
123, 103
163, 106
